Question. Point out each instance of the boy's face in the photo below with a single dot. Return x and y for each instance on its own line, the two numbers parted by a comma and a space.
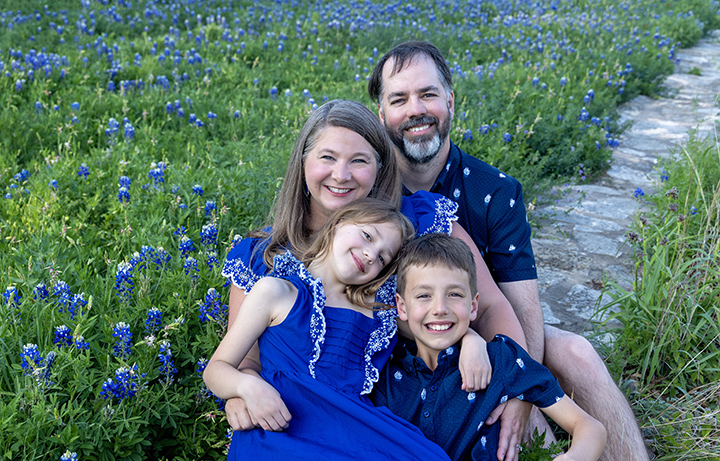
438, 306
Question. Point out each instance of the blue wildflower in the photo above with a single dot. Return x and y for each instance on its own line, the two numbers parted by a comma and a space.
123, 195
664, 176
191, 267
563, 81
53, 183
22, 175
167, 367
186, 245
211, 115
467, 136
129, 131
693, 210
12, 298
210, 207
639, 193
157, 173
161, 258
124, 285
212, 309
212, 259
75, 106
123, 385
63, 336
124, 181
83, 171
182, 230
208, 234
67, 456
123, 345
112, 129
38, 107
40, 292
81, 344
34, 364
507, 137
197, 190
236, 114
154, 320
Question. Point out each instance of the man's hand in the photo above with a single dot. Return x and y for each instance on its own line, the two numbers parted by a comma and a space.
513, 417
263, 405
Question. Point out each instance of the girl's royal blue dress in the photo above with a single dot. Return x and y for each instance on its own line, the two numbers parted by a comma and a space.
324, 361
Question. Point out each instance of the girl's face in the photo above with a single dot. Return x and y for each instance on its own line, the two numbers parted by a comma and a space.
361, 251
339, 169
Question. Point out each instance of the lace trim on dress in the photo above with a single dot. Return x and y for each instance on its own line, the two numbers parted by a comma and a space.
287, 264
378, 341
445, 210
240, 274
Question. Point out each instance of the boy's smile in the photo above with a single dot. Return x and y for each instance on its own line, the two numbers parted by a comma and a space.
438, 306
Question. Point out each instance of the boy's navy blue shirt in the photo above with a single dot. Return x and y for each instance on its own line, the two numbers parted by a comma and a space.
492, 211
451, 417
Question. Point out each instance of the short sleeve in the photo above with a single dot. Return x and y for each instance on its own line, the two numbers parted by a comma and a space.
523, 377
429, 212
244, 264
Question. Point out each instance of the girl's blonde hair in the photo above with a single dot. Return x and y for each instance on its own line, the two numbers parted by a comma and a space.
362, 211
290, 215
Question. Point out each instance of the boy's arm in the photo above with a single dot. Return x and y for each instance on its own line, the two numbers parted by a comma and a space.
222, 376
588, 435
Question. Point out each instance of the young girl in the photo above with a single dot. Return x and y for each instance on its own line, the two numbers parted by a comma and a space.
321, 360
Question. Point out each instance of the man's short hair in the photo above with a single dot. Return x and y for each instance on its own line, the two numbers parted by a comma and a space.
403, 54
436, 250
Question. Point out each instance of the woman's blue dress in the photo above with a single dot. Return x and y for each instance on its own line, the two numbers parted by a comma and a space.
323, 361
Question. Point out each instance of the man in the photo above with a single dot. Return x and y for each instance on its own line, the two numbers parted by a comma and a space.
412, 86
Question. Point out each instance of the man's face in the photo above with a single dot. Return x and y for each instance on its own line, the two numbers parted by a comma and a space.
416, 109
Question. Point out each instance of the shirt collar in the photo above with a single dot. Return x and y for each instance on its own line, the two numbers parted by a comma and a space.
411, 363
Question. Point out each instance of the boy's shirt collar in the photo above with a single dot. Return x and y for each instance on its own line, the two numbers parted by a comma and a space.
411, 363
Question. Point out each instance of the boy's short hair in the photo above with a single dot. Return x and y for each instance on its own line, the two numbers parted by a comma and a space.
436, 250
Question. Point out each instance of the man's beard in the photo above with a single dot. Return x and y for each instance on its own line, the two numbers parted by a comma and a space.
424, 149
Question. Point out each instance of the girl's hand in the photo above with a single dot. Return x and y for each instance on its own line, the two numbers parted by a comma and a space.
474, 362
264, 405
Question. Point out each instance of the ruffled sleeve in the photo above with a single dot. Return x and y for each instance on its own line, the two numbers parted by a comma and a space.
244, 264
429, 212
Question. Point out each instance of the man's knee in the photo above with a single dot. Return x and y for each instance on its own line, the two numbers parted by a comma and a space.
568, 354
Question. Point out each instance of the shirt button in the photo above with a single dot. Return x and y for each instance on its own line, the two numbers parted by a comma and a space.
426, 414
433, 388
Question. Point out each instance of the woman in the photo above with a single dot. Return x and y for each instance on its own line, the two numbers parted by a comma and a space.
343, 153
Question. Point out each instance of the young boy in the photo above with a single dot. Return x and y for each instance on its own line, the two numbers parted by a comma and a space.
437, 296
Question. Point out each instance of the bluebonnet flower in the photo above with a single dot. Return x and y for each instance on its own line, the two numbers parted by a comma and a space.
123, 195
157, 172
40, 292
507, 137
38, 107
200, 366
34, 364
81, 344
22, 175
208, 234
211, 115
112, 129
212, 259
53, 183
129, 131
192, 119
664, 176
186, 245
467, 136
191, 267
8, 196
123, 345
693, 210
161, 258
154, 320
273, 92
123, 385
180, 231
535, 81
210, 206
236, 114
174, 189
83, 171
584, 115
67, 456
167, 367
75, 106
169, 108
63, 336
124, 285
111, 86
12, 298
199, 123
563, 81
212, 309
124, 181
197, 190
639, 193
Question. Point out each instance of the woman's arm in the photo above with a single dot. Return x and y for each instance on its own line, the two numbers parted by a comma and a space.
222, 376
588, 435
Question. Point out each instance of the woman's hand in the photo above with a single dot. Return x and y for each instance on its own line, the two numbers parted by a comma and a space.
263, 405
474, 362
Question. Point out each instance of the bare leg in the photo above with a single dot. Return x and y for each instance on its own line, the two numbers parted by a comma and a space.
584, 377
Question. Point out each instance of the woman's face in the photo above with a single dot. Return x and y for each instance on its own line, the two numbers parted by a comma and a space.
339, 169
